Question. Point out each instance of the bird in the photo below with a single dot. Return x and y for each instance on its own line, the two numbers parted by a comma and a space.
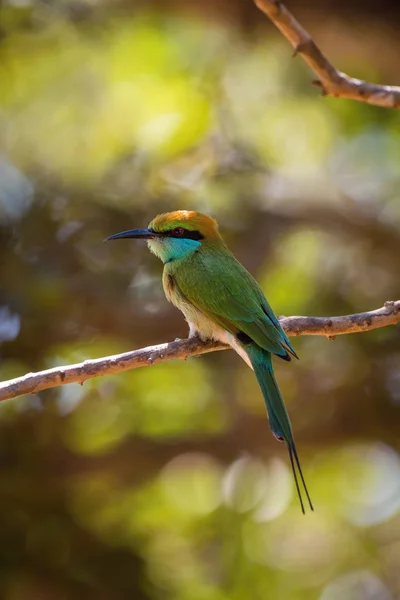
222, 301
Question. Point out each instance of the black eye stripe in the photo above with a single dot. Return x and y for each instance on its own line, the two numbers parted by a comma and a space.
187, 234
191, 235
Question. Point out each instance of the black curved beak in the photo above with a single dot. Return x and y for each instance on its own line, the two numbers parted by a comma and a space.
144, 234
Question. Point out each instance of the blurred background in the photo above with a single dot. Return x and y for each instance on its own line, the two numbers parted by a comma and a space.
165, 482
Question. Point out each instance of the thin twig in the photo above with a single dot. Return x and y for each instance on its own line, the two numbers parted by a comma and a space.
31, 383
331, 81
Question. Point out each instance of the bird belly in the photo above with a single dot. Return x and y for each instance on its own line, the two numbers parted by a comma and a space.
206, 329
198, 322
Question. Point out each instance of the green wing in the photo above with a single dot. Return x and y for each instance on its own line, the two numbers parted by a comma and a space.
221, 288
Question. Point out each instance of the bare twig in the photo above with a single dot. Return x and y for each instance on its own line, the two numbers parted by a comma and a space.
31, 383
389, 314
332, 82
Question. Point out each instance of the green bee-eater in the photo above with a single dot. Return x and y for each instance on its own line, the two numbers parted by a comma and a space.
222, 301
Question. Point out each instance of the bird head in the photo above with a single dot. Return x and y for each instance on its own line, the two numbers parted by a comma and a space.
175, 235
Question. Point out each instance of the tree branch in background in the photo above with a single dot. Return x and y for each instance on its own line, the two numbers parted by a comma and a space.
31, 383
332, 82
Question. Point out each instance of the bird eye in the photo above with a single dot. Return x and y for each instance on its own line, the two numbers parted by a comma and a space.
179, 231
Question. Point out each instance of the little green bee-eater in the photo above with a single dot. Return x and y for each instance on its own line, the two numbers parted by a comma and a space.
222, 301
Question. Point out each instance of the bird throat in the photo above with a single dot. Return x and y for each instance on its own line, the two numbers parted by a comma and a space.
170, 249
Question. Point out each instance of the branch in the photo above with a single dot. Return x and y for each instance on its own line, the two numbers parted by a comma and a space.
31, 383
332, 82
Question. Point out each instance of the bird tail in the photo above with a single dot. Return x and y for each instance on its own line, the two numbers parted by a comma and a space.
278, 417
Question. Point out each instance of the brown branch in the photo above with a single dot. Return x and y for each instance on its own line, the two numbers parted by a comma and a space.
31, 383
332, 82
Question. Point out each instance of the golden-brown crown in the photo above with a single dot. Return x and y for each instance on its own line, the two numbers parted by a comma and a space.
188, 219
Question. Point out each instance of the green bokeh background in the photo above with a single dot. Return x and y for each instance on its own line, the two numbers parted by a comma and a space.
165, 482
